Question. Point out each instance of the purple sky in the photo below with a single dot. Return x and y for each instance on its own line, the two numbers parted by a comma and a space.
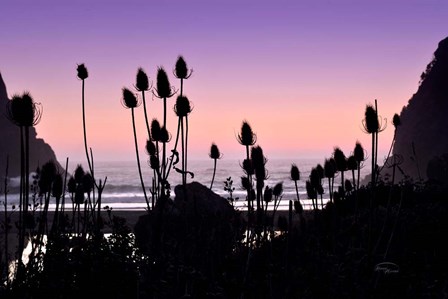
301, 72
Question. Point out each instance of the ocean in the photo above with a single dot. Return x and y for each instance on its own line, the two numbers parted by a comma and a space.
123, 190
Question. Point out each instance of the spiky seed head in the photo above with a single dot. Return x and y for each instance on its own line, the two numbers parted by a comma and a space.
247, 137
23, 111
129, 99
142, 82
57, 187
352, 164
182, 107
329, 168
295, 173
320, 189
310, 190
214, 152
150, 147
71, 185
163, 84
371, 123
278, 189
82, 71
154, 162
267, 194
47, 175
181, 69
165, 136
14, 110
340, 159
257, 157
79, 174
248, 167
359, 152
348, 185
155, 130
396, 120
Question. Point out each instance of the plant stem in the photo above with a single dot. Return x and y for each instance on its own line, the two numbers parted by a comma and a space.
213, 177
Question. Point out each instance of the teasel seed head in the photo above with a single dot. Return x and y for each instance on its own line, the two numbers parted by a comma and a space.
183, 106
57, 187
23, 111
396, 120
82, 71
278, 189
163, 87
142, 82
181, 70
155, 130
71, 185
267, 194
79, 174
295, 173
88, 183
248, 167
359, 153
329, 168
165, 136
214, 152
370, 122
340, 159
247, 137
150, 147
129, 99
245, 183
320, 171
352, 164
154, 162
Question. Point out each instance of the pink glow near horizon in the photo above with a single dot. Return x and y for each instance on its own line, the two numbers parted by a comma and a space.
300, 74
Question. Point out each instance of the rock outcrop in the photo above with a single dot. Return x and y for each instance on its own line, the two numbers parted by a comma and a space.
40, 152
423, 134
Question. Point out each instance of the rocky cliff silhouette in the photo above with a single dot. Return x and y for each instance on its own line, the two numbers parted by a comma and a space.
40, 152
423, 134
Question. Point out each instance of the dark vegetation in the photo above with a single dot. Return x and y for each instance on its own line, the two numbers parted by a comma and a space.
384, 239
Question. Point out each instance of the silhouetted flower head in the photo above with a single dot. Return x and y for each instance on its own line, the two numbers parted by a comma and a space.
181, 70
163, 88
183, 106
82, 71
267, 194
142, 82
214, 152
154, 162
155, 130
257, 157
396, 120
314, 178
248, 167
79, 174
165, 136
79, 194
348, 186
359, 153
371, 124
150, 147
295, 173
23, 111
278, 189
340, 159
352, 164
129, 99
247, 137
57, 187
329, 168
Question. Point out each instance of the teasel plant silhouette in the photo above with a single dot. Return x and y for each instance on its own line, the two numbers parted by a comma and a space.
182, 72
83, 74
261, 174
247, 138
295, 177
183, 108
320, 189
130, 101
214, 154
164, 91
24, 113
341, 166
329, 173
360, 156
151, 151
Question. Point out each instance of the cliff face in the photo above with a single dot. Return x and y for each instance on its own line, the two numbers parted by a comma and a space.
423, 134
40, 152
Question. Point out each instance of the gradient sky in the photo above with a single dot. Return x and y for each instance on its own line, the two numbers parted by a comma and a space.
300, 72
